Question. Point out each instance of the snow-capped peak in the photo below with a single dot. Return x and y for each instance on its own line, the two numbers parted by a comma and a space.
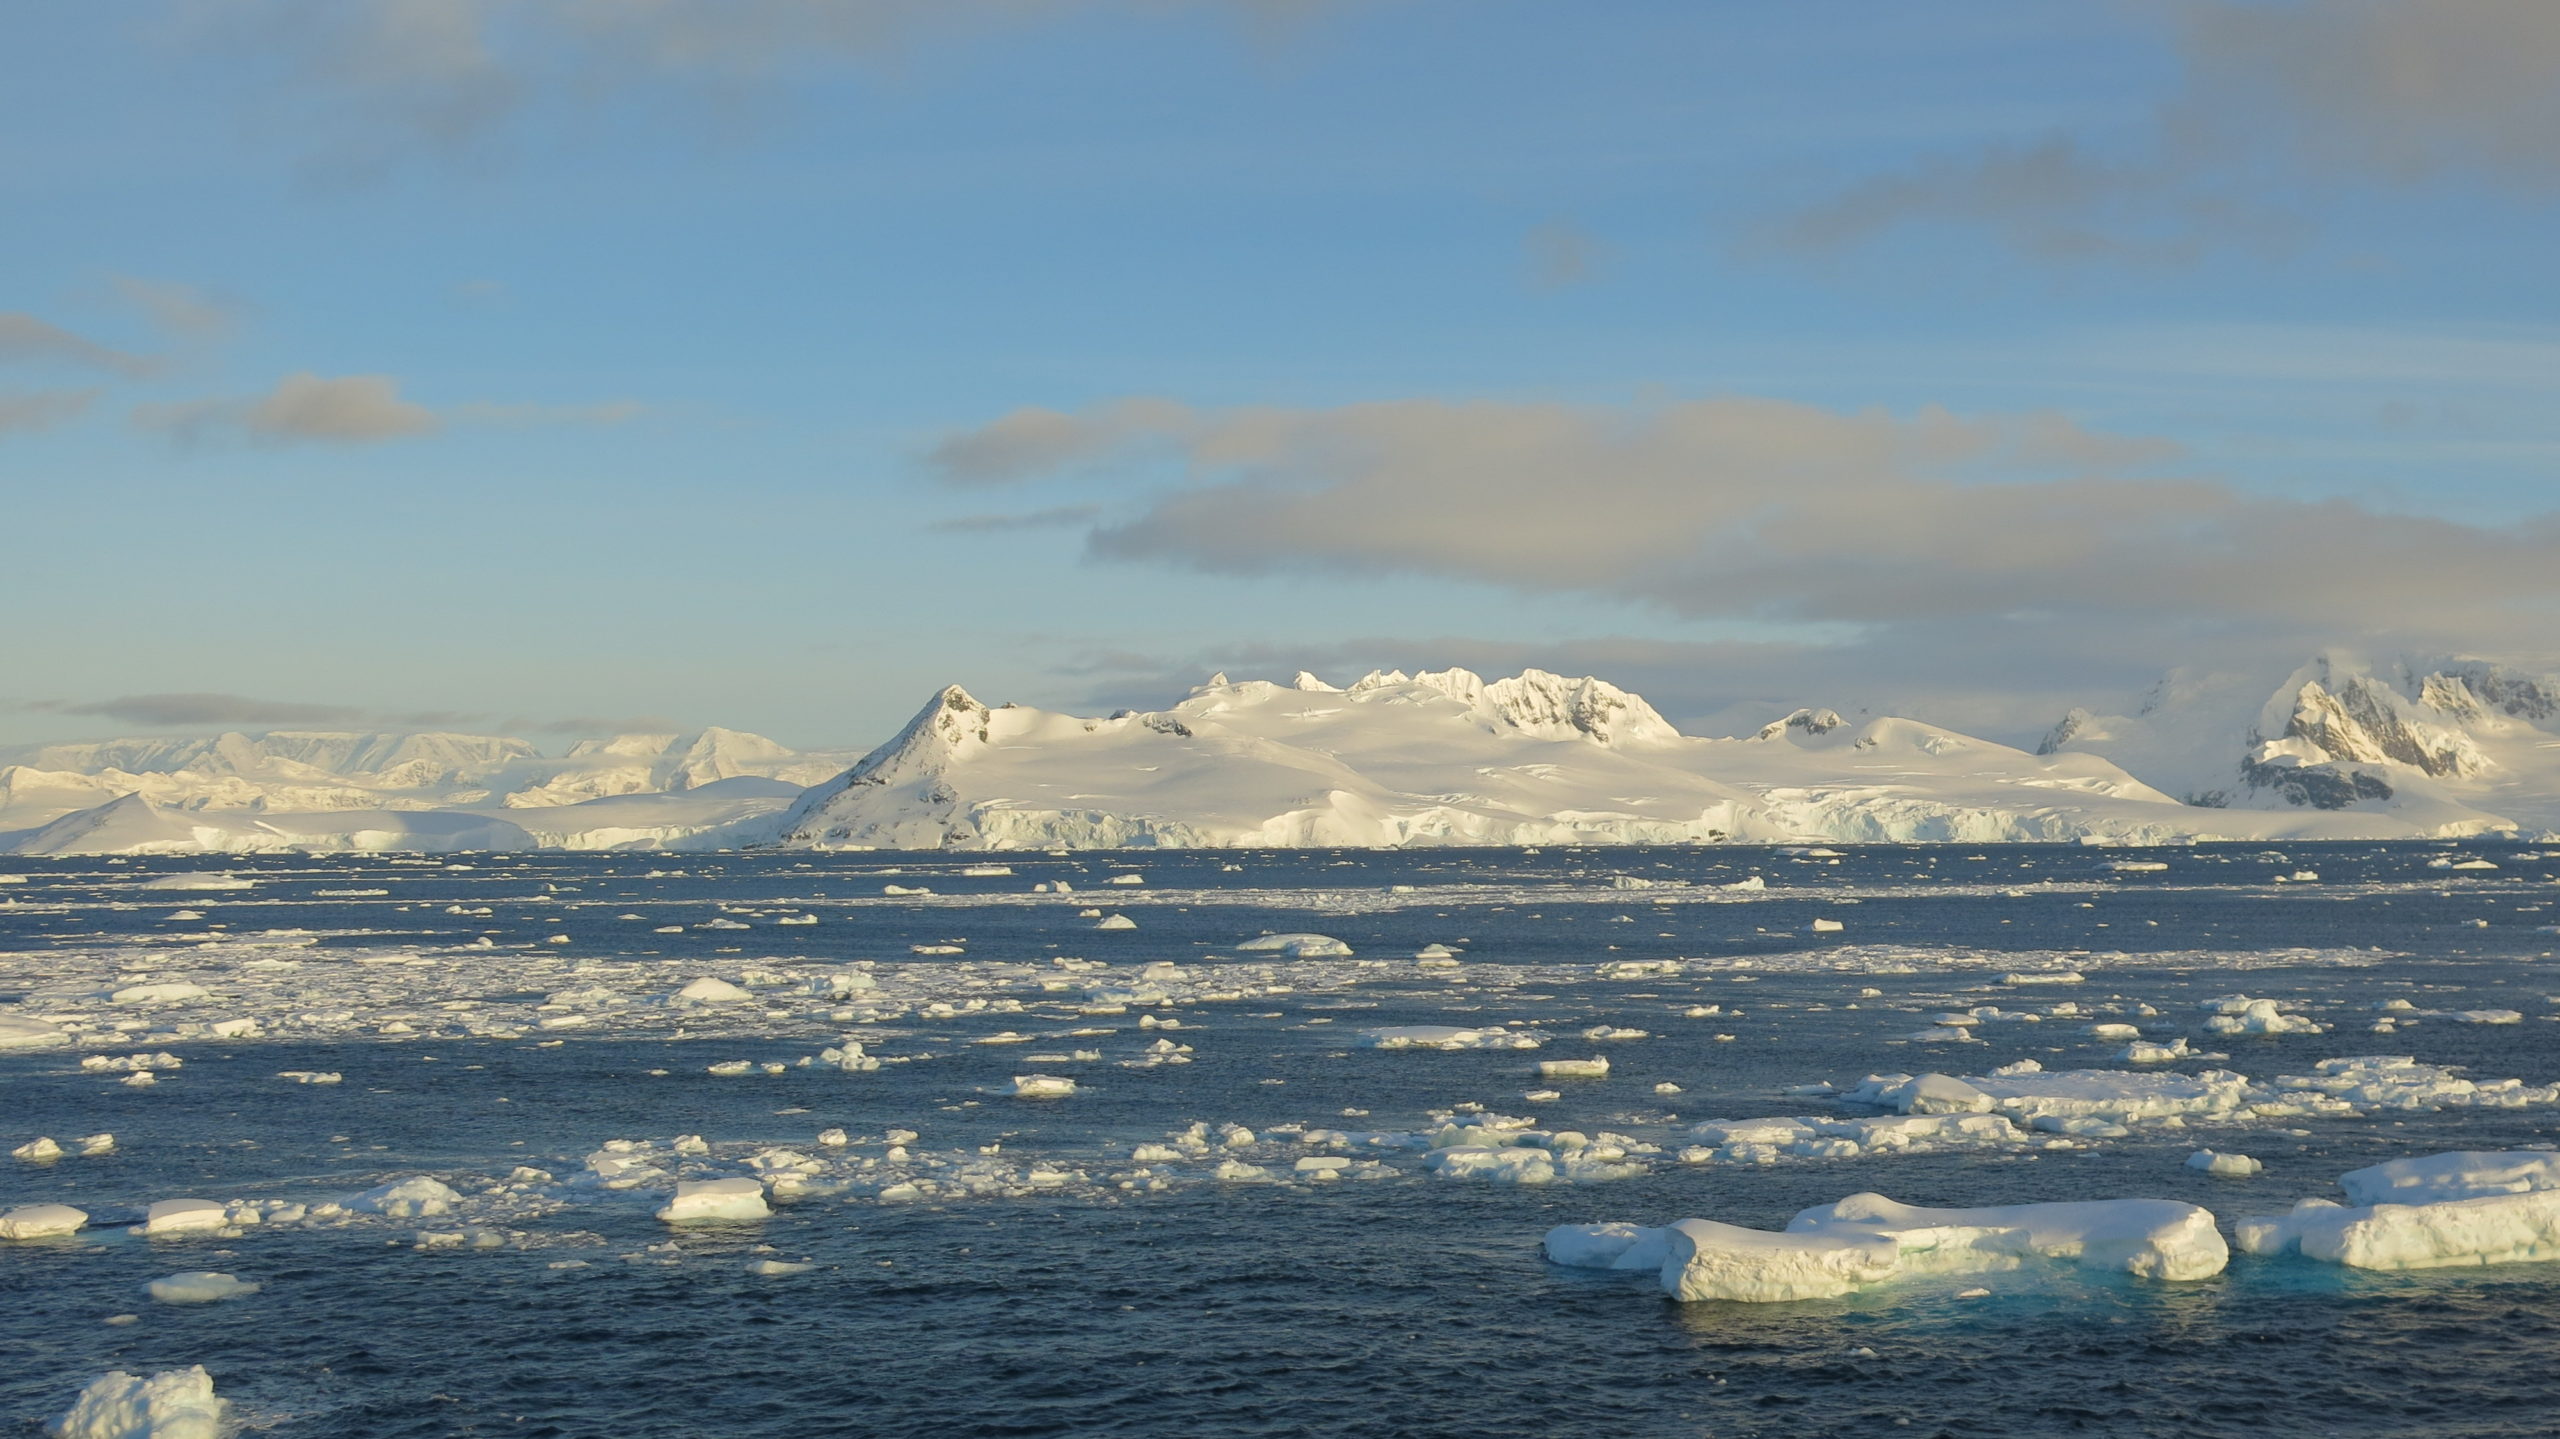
1803, 721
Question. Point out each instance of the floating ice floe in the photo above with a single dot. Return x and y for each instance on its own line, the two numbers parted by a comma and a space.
42, 1221
2226, 1166
1765, 1141
1298, 946
1449, 1036
165, 992
182, 1216
2143, 1051
127, 1064
2463, 1209
174, 1404
1595, 1068
1867, 1239
2239, 1014
311, 1076
2100, 1102
1514, 1156
717, 1201
199, 1286
1041, 1086
17, 1033
847, 1056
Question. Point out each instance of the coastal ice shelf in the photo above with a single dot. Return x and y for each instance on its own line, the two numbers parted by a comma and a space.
2335, 750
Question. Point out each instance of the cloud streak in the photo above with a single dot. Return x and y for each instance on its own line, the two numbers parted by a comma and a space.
306, 408
2273, 99
27, 339
42, 409
176, 711
386, 79
1764, 511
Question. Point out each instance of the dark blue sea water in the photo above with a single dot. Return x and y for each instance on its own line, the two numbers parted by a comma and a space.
1404, 1305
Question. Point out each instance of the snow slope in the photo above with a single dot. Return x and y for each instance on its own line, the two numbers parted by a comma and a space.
1446, 758
1440, 758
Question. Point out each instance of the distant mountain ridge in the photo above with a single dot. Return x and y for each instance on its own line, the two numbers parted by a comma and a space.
2437, 742
2337, 748
317, 772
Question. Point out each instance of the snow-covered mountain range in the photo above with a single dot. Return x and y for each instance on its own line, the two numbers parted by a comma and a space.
2338, 749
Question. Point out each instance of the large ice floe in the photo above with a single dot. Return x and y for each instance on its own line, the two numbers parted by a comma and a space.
2445, 1210
1866, 1239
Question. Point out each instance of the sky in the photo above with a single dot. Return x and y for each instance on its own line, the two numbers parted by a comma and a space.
556, 367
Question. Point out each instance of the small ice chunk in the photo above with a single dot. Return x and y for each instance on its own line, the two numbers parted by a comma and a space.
708, 990
2239, 1014
2143, 1051
1935, 1094
199, 1286
39, 1150
1041, 1086
1298, 946
418, 1197
1595, 1068
2226, 1166
1449, 1036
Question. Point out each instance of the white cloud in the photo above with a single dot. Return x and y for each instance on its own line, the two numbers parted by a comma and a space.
350, 410
347, 409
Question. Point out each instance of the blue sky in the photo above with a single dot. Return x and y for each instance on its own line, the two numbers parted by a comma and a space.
555, 365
